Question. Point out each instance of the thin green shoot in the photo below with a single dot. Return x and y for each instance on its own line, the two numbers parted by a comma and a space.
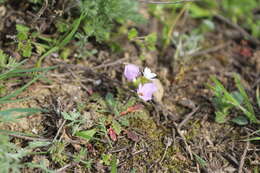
62, 43
258, 97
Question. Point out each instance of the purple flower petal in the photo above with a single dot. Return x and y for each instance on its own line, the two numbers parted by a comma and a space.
146, 91
131, 72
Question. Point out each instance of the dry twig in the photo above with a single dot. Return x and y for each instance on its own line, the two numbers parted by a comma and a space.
187, 117
113, 63
29, 138
63, 169
58, 132
237, 27
184, 140
39, 14
242, 160
168, 144
210, 50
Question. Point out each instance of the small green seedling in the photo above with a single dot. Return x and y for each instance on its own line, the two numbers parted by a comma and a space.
225, 101
111, 123
12, 157
6, 62
82, 41
82, 157
75, 120
75, 123
110, 160
27, 41
186, 44
57, 152
24, 42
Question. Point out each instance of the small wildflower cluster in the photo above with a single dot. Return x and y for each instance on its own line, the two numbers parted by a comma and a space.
143, 81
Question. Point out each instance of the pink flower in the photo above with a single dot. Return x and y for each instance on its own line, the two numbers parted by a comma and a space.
131, 72
112, 134
146, 91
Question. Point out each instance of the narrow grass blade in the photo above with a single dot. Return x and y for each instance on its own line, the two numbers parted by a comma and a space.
18, 91
253, 139
16, 113
15, 101
69, 37
34, 70
244, 94
113, 165
8, 132
63, 42
3, 75
26, 72
249, 111
227, 95
52, 50
258, 97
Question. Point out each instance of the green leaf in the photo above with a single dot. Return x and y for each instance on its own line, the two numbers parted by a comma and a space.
253, 139
201, 161
249, 111
124, 121
66, 39
151, 41
240, 120
117, 127
220, 117
65, 53
87, 134
113, 165
27, 49
258, 97
71, 34
130, 102
243, 93
238, 96
22, 32
198, 12
206, 26
133, 33
33, 70
61, 26
224, 98
72, 116
37, 144
106, 159
133, 170
16, 113
40, 48
112, 103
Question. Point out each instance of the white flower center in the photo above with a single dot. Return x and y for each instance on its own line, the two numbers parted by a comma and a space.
148, 74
